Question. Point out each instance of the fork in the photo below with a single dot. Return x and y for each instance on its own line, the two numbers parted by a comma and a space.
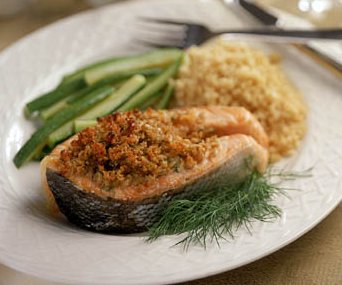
169, 33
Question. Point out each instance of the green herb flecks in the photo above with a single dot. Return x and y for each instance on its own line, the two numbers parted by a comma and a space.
218, 213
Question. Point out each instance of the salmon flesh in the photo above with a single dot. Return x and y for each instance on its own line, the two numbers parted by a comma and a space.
133, 207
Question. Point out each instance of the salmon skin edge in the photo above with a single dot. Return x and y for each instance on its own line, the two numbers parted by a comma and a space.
108, 215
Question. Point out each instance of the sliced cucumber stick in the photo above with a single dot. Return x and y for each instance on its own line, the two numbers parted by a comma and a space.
127, 74
103, 108
151, 89
157, 58
115, 100
29, 149
165, 99
52, 110
62, 133
80, 72
80, 125
151, 101
66, 130
66, 102
54, 96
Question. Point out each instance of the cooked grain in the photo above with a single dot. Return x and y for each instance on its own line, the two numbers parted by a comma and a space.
234, 74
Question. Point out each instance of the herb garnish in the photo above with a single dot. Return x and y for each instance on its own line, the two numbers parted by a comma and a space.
213, 215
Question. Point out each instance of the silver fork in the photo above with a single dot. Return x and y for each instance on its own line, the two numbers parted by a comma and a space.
169, 33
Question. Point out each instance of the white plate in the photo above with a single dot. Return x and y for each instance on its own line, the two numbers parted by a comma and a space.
33, 242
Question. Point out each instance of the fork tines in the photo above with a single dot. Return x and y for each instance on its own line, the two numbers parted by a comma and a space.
162, 33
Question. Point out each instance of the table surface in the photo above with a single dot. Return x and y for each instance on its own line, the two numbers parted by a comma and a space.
315, 258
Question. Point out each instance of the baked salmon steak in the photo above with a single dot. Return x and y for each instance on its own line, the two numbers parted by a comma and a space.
119, 175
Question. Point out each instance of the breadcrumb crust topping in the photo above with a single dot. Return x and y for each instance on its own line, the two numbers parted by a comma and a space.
131, 148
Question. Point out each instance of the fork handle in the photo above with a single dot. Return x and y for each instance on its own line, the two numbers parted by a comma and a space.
296, 35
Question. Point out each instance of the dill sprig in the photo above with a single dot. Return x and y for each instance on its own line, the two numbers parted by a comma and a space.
218, 213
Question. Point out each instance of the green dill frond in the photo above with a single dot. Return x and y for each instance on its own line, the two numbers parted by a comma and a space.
217, 214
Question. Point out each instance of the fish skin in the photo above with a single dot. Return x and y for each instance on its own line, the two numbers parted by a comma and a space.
109, 215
